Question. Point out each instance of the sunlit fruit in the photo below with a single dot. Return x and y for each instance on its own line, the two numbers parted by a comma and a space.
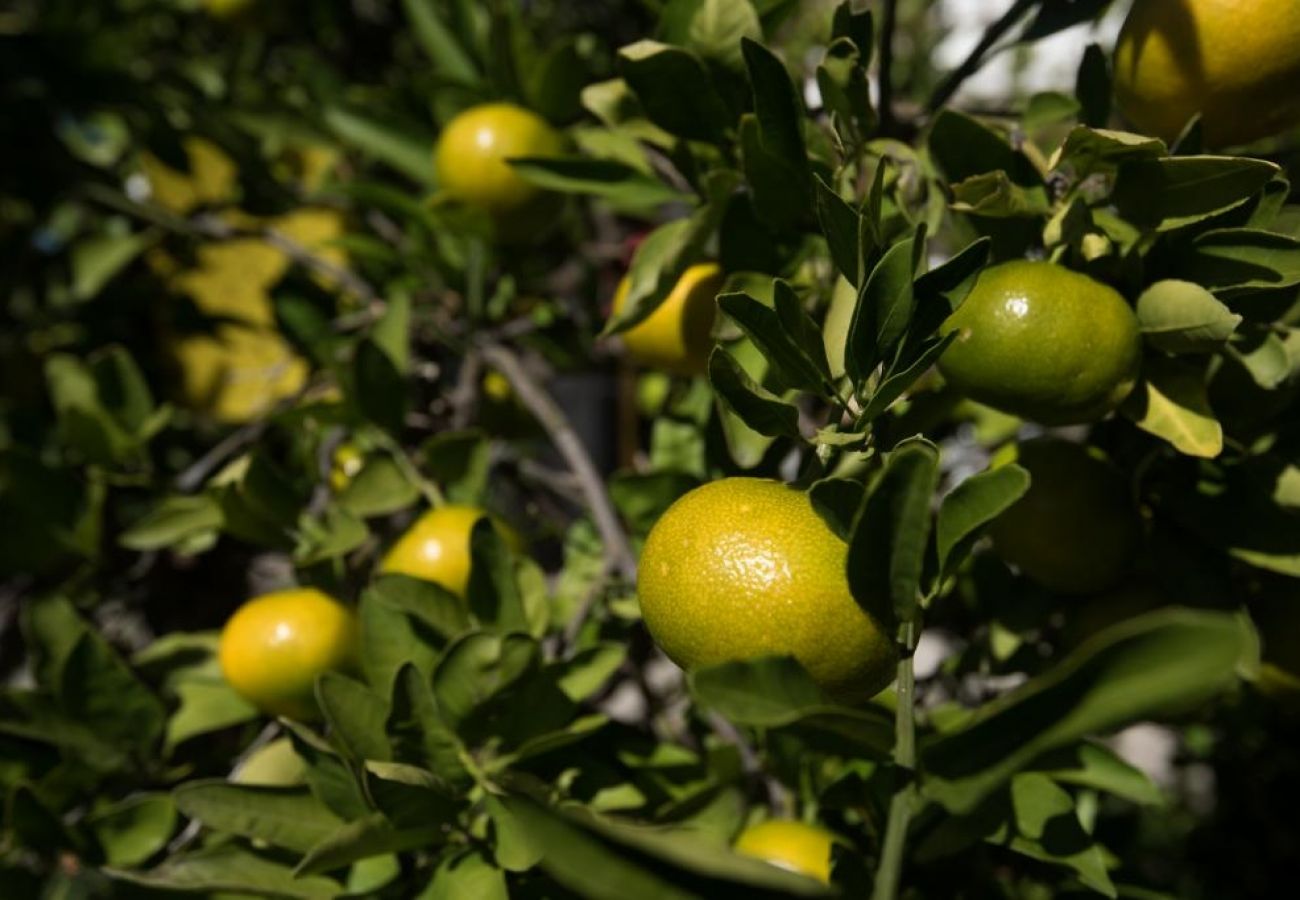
437, 547
745, 567
677, 336
274, 646
1042, 342
1076, 529
794, 846
1235, 62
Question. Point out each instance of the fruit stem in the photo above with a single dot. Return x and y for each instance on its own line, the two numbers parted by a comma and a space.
889, 874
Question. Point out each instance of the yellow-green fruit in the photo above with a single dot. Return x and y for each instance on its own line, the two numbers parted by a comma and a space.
678, 336
275, 765
1236, 62
1042, 342
211, 177
470, 162
1075, 530
745, 567
274, 646
436, 548
793, 846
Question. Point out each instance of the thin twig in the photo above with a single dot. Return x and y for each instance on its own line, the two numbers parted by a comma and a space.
618, 550
994, 33
903, 802
198, 471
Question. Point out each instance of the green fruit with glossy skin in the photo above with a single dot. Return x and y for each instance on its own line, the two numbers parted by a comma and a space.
1042, 342
471, 165
1075, 530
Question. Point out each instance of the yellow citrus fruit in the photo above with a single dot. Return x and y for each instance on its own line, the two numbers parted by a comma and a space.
1042, 342
275, 765
211, 177
1075, 530
470, 162
745, 567
794, 846
678, 335
346, 462
436, 548
1235, 62
274, 646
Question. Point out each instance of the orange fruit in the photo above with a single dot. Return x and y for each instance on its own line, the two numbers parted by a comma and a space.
1236, 63
274, 646
1039, 341
745, 567
794, 846
470, 161
1075, 530
436, 548
678, 336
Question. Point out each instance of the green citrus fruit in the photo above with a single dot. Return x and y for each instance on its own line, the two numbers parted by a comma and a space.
678, 335
1235, 63
745, 567
470, 161
793, 846
274, 646
436, 548
1129, 598
1075, 530
274, 765
1045, 343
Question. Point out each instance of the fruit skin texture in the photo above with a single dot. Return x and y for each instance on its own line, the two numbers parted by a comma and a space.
275, 645
793, 846
744, 567
436, 547
1236, 63
677, 337
1075, 530
470, 163
1044, 343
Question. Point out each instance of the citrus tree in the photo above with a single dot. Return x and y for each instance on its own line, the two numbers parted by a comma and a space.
645, 450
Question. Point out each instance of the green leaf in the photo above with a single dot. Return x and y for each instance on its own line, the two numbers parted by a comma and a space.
757, 407
940, 291
493, 592
204, 707
380, 391
589, 669
1265, 356
883, 311
971, 506
1234, 261
356, 717
99, 690
777, 108
845, 87
1054, 17
789, 361
837, 501
841, 224
514, 848
995, 195
392, 333
891, 533
378, 489
371, 836
284, 817
675, 90
477, 667
615, 182
172, 521
409, 153
1171, 403
1049, 830
1177, 191
1088, 150
418, 734
1157, 664
98, 260
132, 830
439, 42
1095, 766
604, 860
1093, 87
406, 619
903, 376
464, 875
1182, 317
335, 533
231, 867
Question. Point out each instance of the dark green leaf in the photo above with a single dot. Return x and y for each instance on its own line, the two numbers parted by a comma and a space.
407, 152
763, 326
1092, 87
372, 836
883, 311
418, 734
232, 867
675, 89
493, 592
284, 817
757, 407
840, 223
607, 179
380, 387
1182, 317
1170, 193
356, 717
971, 506
438, 41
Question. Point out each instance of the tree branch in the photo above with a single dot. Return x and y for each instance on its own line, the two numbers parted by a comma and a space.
994, 33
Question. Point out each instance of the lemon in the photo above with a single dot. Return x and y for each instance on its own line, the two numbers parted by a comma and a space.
794, 846
471, 165
1236, 63
1039, 341
745, 567
677, 336
274, 646
1075, 530
437, 547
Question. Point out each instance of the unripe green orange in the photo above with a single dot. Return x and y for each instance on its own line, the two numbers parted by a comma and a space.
1075, 530
745, 567
793, 846
1039, 341
274, 646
